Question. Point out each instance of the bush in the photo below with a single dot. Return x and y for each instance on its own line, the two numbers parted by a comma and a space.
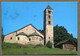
49, 44
13, 45
38, 45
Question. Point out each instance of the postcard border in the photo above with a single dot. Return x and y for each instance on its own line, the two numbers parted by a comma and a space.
78, 23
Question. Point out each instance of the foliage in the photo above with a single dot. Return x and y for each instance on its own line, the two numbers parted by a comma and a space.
16, 45
11, 48
60, 33
2, 36
49, 44
39, 45
13, 45
39, 50
41, 31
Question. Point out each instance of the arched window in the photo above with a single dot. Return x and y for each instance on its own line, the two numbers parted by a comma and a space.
49, 16
49, 38
29, 39
49, 12
49, 22
18, 38
11, 38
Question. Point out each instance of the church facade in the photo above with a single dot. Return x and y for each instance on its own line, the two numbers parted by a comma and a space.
30, 35
27, 35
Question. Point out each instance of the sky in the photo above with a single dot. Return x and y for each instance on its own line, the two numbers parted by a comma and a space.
16, 15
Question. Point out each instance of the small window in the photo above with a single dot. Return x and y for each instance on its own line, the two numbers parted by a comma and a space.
49, 12
18, 38
49, 38
11, 38
49, 16
49, 22
29, 39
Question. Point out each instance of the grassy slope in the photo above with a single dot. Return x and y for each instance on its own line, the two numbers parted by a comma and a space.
30, 49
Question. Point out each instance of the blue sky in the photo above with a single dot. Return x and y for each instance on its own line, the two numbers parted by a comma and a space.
16, 15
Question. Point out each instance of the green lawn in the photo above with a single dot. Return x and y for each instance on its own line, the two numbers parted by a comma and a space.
31, 49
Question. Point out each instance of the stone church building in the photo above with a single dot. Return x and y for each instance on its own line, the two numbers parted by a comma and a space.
30, 35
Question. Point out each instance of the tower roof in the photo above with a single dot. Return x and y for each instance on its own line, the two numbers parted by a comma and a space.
48, 7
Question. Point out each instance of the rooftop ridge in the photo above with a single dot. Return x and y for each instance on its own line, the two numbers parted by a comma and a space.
48, 7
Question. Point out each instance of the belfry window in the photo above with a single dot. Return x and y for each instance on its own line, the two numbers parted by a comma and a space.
49, 12
49, 16
49, 22
49, 38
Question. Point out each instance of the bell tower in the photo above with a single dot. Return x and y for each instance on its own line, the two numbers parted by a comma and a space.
48, 25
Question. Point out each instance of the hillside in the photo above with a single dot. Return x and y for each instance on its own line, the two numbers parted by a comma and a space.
9, 48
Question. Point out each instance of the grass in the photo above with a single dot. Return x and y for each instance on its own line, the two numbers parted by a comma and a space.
32, 49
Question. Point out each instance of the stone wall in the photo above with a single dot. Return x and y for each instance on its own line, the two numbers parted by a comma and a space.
29, 30
48, 26
22, 39
12, 38
36, 40
69, 46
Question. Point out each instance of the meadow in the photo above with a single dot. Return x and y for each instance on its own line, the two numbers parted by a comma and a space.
17, 49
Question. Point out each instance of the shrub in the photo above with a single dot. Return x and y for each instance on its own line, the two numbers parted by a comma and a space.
49, 44
38, 45
25, 53
13, 45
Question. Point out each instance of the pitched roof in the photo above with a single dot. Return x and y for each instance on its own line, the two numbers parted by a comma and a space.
48, 7
34, 34
18, 30
22, 28
61, 42
22, 33
64, 41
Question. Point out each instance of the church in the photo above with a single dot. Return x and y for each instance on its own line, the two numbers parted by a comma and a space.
30, 35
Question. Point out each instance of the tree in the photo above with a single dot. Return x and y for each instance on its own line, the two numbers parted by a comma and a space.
2, 36
60, 33
49, 44
41, 31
